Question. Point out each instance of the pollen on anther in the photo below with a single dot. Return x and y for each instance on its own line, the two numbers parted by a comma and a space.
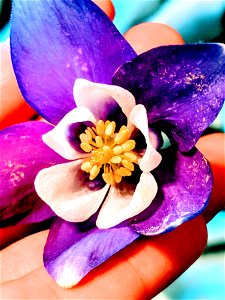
108, 178
116, 159
109, 130
86, 147
99, 141
128, 145
106, 148
86, 166
122, 136
94, 172
110, 152
85, 138
90, 133
123, 172
117, 150
128, 165
100, 127
117, 177
131, 156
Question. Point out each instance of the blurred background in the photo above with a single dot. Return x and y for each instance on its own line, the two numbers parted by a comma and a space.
196, 21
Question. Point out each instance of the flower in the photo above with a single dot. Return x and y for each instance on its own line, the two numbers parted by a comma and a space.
106, 156
178, 90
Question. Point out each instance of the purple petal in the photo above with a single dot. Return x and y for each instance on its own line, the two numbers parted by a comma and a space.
74, 249
23, 157
56, 41
185, 183
182, 88
40, 212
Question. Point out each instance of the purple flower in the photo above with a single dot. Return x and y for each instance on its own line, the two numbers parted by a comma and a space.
109, 107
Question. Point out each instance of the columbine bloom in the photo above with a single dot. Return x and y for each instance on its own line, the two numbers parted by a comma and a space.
101, 147
107, 167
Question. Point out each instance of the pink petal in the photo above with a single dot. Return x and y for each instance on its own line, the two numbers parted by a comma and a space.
125, 202
56, 138
94, 95
69, 192
151, 159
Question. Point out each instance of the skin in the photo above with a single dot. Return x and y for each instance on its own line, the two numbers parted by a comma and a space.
149, 264
12, 106
155, 35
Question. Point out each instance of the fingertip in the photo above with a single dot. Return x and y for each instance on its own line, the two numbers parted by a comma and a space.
107, 7
162, 258
22, 257
146, 36
212, 146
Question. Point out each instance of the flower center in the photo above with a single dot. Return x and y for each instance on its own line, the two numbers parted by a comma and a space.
110, 151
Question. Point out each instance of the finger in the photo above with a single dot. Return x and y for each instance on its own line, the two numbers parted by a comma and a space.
213, 148
23, 257
148, 266
13, 108
107, 7
11, 234
146, 36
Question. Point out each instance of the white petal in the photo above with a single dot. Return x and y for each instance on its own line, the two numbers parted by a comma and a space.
121, 204
64, 188
94, 95
56, 139
151, 159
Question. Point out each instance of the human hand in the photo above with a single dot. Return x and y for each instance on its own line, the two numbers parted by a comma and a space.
148, 265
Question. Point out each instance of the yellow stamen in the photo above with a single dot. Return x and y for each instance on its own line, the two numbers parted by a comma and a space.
106, 148
117, 150
99, 141
108, 178
123, 172
107, 123
89, 132
117, 177
110, 128
86, 166
116, 159
100, 127
110, 152
122, 136
128, 145
128, 165
94, 172
86, 147
130, 156
123, 127
85, 138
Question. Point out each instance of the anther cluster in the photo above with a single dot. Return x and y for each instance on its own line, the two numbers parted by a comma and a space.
110, 152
